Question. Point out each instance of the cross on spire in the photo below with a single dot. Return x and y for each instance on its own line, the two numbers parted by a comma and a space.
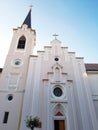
31, 7
55, 35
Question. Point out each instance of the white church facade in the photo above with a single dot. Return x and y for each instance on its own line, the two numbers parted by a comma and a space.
54, 85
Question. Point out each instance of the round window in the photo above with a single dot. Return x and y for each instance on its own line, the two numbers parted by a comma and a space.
57, 92
17, 62
56, 59
10, 97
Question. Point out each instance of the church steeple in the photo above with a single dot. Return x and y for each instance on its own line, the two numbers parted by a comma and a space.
27, 20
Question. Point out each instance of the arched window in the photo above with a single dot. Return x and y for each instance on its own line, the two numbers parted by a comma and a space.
57, 73
21, 43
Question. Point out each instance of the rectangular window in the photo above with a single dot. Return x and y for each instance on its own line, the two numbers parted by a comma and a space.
6, 114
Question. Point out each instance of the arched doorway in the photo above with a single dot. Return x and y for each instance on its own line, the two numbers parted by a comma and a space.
59, 118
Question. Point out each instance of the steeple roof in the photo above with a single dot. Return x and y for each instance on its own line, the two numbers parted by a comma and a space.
27, 20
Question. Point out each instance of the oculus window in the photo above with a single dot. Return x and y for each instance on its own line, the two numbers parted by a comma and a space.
56, 59
10, 97
58, 92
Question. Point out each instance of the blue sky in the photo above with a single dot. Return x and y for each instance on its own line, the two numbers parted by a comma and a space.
75, 21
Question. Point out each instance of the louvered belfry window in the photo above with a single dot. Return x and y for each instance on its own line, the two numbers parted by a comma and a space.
21, 43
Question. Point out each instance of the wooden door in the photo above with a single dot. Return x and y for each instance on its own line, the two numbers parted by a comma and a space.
59, 125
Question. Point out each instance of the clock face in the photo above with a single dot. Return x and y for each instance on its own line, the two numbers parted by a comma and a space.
57, 92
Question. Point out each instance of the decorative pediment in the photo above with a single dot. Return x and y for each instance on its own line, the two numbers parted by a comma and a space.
59, 110
57, 65
59, 114
55, 41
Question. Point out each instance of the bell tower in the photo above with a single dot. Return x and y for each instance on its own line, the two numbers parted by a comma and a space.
14, 75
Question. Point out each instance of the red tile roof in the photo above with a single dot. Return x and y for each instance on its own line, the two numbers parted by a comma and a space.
91, 67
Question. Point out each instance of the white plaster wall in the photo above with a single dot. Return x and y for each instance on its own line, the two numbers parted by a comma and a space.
96, 107
13, 78
93, 83
41, 80
13, 107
